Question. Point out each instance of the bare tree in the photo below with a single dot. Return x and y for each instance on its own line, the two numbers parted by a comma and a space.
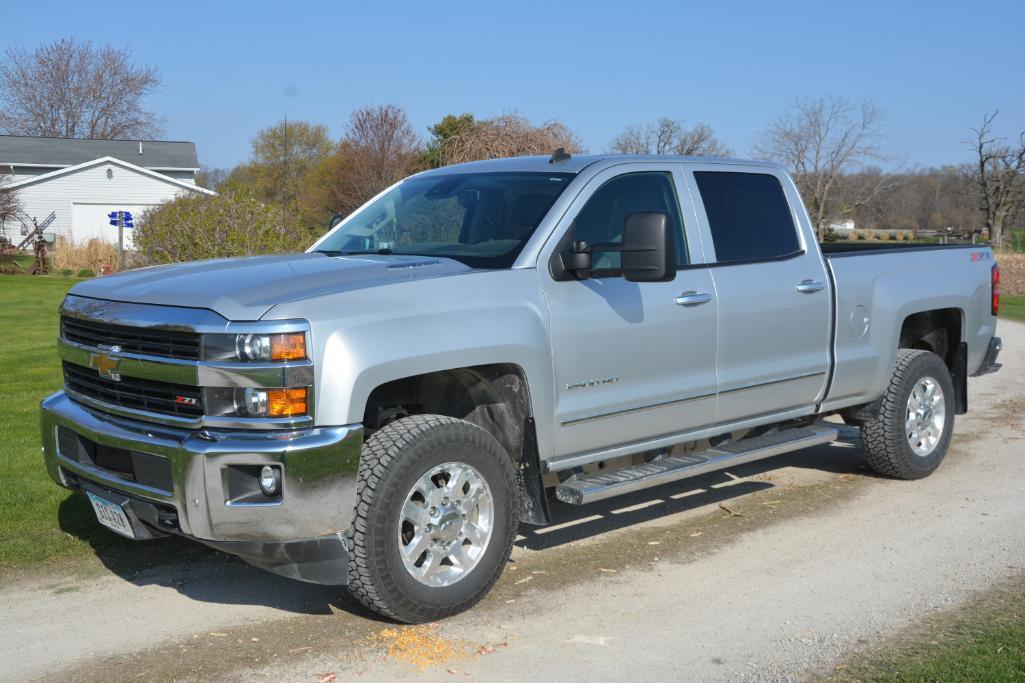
508, 135
382, 146
819, 142
668, 136
68, 89
999, 177
379, 148
11, 212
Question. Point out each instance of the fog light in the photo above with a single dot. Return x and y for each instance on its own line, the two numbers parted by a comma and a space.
255, 401
270, 480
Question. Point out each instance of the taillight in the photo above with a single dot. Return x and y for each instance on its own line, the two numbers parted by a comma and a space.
995, 287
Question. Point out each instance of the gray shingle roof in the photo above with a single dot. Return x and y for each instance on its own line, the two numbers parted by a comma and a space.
18, 149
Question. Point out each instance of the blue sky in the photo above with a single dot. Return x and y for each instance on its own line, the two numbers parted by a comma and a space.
232, 68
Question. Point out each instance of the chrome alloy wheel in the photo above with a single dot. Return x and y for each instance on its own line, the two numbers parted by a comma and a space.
926, 416
446, 524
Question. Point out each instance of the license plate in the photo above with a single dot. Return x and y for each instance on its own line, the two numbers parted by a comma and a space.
111, 515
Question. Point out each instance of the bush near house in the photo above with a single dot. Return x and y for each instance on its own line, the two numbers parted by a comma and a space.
233, 223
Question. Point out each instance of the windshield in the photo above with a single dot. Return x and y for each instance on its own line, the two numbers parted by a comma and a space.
480, 219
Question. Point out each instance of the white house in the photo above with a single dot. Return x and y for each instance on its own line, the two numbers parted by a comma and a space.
82, 181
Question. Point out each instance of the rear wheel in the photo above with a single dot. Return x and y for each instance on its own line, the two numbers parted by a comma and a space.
911, 434
435, 518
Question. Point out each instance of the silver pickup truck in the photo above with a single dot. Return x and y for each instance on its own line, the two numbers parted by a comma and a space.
480, 340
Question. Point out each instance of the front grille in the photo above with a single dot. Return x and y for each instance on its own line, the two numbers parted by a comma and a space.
143, 340
132, 392
142, 468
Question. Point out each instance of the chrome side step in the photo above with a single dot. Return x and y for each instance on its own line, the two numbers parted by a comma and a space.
587, 488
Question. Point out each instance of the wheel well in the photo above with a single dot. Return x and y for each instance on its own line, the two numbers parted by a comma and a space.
938, 331
493, 397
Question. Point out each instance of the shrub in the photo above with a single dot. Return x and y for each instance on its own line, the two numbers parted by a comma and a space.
233, 223
66, 272
85, 272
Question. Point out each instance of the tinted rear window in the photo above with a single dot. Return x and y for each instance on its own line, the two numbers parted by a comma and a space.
748, 215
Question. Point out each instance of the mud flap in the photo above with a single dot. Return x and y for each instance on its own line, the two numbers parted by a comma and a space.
959, 375
533, 500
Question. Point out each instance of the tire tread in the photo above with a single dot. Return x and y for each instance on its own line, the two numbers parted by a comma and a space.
882, 436
372, 588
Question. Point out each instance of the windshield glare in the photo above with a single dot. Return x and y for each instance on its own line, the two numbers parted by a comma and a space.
480, 219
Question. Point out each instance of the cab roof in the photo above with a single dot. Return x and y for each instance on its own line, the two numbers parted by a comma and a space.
576, 163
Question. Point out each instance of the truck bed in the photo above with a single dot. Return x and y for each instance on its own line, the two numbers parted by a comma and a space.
840, 249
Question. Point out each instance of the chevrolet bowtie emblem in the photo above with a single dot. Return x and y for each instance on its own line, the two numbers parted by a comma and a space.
106, 363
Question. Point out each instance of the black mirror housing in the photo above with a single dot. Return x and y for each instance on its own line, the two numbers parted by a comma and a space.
648, 253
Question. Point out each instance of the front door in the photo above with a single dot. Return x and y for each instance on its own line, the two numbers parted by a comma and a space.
633, 361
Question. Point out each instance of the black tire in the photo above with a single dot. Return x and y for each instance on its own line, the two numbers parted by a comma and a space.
392, 460
885, 441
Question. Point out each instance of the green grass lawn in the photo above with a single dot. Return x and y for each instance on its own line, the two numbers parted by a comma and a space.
39, 521
1012, 308
19, 262
982, 640
30, 529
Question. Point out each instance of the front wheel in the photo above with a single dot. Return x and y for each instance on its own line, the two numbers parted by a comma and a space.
912, 432
436, 515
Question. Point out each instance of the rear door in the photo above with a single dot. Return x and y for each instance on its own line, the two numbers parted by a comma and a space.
773, 292
630, 361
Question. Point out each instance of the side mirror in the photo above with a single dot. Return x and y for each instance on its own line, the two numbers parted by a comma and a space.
648, 251
335, 220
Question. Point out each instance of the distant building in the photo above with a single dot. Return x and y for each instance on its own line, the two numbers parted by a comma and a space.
82, 181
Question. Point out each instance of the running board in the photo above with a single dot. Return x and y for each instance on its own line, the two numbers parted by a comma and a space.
587, 488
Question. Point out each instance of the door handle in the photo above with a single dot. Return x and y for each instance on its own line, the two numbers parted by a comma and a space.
693, 298
810, 286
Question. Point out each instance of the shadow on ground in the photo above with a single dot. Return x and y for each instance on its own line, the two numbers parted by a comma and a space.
205, 575
572, 523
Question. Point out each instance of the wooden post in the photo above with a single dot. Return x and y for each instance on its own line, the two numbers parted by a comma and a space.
120, 241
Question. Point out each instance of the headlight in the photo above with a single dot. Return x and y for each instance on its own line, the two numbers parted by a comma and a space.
255, 348
253, 402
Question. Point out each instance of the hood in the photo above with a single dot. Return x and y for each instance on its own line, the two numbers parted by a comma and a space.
246, 288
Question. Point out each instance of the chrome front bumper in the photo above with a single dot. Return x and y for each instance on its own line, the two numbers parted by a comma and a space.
302, 535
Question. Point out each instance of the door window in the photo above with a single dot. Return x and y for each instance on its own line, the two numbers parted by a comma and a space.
601, 219
748, 215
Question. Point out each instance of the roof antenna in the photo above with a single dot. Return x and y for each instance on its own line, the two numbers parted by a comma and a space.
559, 155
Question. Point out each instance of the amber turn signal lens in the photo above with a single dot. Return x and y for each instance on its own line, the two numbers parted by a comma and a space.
288, 347
286, 402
